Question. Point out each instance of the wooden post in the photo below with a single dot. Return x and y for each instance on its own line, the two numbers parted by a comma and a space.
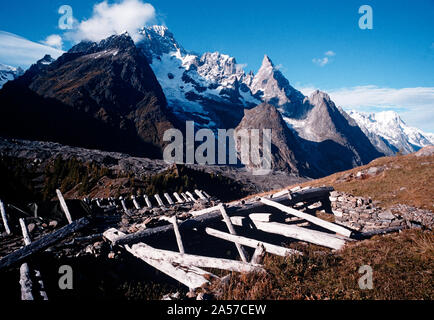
228, 222
325, 224
199, 194
205, 194
259, 254
136, 204
160, 202
148, 202
252, 243
4, 218
188, 193
174, 221
25, 281
168, 198
178, 198
187, 199
64, 206
124, 206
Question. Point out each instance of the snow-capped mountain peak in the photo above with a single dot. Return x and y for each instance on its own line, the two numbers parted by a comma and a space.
8, 73
389, 126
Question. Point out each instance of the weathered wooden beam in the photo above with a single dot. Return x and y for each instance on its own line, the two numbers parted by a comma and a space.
264, 217
206, 210
42, 243
136, 204
174, 221
199, 194
148, 202
317, 221
4, 218
231, 229
252, 243
25, 280
194, 260
303, 234
205, 194
64, 206
160, 202
190, 195
168, 198
189, 276
177, 197
187, 199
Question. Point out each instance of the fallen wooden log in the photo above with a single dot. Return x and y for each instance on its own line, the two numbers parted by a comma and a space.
194, 260
299, 233
252, 243
4, 218
369, 234
317, 221
42, 243
189, 276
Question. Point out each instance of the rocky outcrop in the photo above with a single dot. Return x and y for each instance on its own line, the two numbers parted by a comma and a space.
100, 95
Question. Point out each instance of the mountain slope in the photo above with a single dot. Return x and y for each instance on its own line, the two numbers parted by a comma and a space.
388, 132
8, 73
108, 85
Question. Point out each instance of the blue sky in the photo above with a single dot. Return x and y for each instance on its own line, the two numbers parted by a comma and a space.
397, 54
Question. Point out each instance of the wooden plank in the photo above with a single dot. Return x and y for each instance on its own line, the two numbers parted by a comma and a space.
264, 217
199, 194
299, 233
4, 218
64, 206
187, 199
205, 194
252, 243
148, 202
42, 243
206, 210
231, 229
168, 198
160, 202
280, 193
136, 204
188, 193
315, 220
178, 198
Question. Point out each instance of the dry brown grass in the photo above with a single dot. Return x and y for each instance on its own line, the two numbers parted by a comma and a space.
408, 180
402, 269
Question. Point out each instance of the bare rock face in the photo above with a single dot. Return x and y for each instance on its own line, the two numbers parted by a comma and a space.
101, 95
286, 154
270, 85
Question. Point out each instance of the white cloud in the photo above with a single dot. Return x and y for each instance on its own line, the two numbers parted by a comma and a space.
321, 61
17, 51
54, 41
330, 53
415, 105
108, 19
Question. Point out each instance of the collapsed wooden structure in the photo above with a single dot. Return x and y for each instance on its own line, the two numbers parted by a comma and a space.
274, 215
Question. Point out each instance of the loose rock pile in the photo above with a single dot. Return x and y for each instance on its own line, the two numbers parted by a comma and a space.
363, 214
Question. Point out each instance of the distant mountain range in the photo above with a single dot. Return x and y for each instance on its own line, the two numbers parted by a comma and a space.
118, 95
